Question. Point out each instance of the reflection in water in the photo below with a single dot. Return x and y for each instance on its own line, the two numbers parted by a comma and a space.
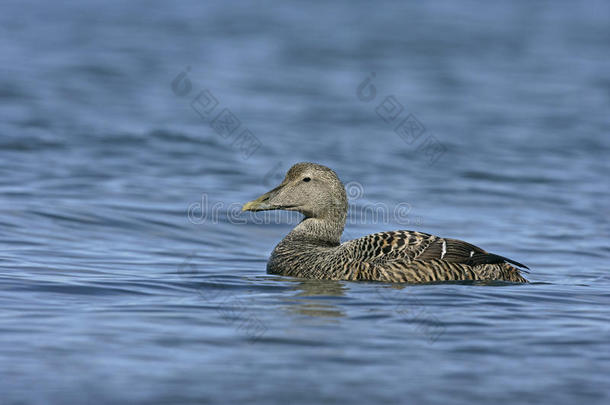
316, 291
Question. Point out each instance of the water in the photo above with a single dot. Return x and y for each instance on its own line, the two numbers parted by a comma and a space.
117, 286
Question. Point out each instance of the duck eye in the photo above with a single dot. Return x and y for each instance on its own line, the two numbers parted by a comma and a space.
306, 179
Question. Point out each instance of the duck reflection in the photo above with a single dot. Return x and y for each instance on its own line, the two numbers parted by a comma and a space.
316, 298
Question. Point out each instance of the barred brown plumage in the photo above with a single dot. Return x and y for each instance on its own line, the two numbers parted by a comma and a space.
313, 249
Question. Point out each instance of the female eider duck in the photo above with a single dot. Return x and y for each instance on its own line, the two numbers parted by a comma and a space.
313, 249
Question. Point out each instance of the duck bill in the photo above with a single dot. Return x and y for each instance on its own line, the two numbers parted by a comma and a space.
258, 205
263, 202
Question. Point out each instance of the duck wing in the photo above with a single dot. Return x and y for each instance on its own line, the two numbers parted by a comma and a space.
411, 245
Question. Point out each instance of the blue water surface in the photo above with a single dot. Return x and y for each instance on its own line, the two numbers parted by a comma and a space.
132, 132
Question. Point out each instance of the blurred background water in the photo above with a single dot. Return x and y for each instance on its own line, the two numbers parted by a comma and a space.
128, 274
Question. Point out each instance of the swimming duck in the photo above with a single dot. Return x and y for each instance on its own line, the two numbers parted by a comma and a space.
313, 248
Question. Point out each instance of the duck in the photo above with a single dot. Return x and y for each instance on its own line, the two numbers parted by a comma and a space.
313, 248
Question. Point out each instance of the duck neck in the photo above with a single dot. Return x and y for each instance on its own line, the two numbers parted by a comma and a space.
319, 230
